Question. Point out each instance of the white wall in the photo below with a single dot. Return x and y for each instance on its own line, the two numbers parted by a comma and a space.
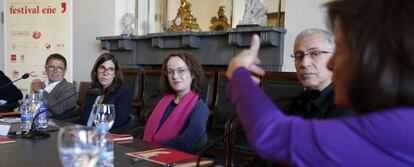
122, 7
91, 18
301, 14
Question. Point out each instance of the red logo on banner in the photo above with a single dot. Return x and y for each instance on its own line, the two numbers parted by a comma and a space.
13, 58
63, 5
47, 45
36, 34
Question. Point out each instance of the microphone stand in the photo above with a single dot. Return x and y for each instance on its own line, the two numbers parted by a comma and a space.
37, 134
24, 76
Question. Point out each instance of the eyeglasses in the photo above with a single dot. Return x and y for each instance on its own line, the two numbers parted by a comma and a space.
299, 55
54, 68
180, 72
109, 70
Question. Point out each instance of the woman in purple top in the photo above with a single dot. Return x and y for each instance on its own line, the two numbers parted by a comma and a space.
372, 73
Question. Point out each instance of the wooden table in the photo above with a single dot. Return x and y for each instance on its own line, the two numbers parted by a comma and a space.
44, 152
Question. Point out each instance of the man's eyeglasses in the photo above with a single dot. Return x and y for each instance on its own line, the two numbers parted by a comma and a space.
51, 68
180, 72
299, 55
110, 70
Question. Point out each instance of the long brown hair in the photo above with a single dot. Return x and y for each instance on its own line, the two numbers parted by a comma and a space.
381, 40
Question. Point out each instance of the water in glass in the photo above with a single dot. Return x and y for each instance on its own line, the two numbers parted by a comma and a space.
78, 146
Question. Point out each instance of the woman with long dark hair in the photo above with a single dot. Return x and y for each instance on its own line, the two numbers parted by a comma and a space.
107, 88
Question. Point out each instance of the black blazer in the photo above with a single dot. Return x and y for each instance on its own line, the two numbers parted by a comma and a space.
9, 93
121, 98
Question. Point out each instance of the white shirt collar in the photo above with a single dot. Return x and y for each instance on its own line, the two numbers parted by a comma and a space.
49, 86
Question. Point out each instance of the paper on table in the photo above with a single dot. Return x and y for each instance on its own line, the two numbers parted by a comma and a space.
166, 156
4, 130
121, 137
5, 140
10, 120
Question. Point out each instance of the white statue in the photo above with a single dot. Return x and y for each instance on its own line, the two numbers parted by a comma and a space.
128, 20
254, 13
166, 25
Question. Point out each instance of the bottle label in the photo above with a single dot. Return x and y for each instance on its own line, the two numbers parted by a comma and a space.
26, 116
43, 109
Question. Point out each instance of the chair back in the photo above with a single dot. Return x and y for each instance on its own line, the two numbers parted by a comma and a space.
151, 87
223, 109
281, 87
133, 80
151, 93
83, 88
209, 91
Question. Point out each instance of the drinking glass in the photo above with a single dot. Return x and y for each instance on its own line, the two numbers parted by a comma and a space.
34, 100
78, 146
104, 116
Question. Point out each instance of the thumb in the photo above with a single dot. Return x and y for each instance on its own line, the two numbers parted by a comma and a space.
255, 44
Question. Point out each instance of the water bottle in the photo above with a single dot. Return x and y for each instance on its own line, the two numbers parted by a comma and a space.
106, 150
26, 116
42, 118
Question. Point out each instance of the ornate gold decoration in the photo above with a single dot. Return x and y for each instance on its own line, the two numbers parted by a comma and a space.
220, 22
184, 21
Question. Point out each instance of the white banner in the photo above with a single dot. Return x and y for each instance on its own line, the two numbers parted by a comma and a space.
34, 29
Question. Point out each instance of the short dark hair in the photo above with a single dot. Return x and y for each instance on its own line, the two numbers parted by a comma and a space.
380, 36
56, 56
195, 68
118, 74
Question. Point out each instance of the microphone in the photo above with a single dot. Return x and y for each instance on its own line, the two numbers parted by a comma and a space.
24, 76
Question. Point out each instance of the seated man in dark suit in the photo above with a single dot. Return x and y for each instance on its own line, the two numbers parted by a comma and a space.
56, 89
312, 50
9, 94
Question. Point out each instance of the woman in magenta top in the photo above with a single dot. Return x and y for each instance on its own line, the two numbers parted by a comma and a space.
179, 120
372, 73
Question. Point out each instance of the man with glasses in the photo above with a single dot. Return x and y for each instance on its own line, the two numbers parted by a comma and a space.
312, 50
56, 89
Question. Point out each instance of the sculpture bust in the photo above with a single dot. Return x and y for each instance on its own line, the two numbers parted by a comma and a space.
254, 13
128, 20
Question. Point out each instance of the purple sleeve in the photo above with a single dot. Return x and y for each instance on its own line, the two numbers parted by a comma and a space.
249, 103
298, 142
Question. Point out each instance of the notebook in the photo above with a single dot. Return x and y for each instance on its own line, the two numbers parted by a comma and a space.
165, 156
121, 137
5, 140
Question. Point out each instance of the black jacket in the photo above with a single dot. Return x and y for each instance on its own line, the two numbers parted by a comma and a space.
319, 105
121, 98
